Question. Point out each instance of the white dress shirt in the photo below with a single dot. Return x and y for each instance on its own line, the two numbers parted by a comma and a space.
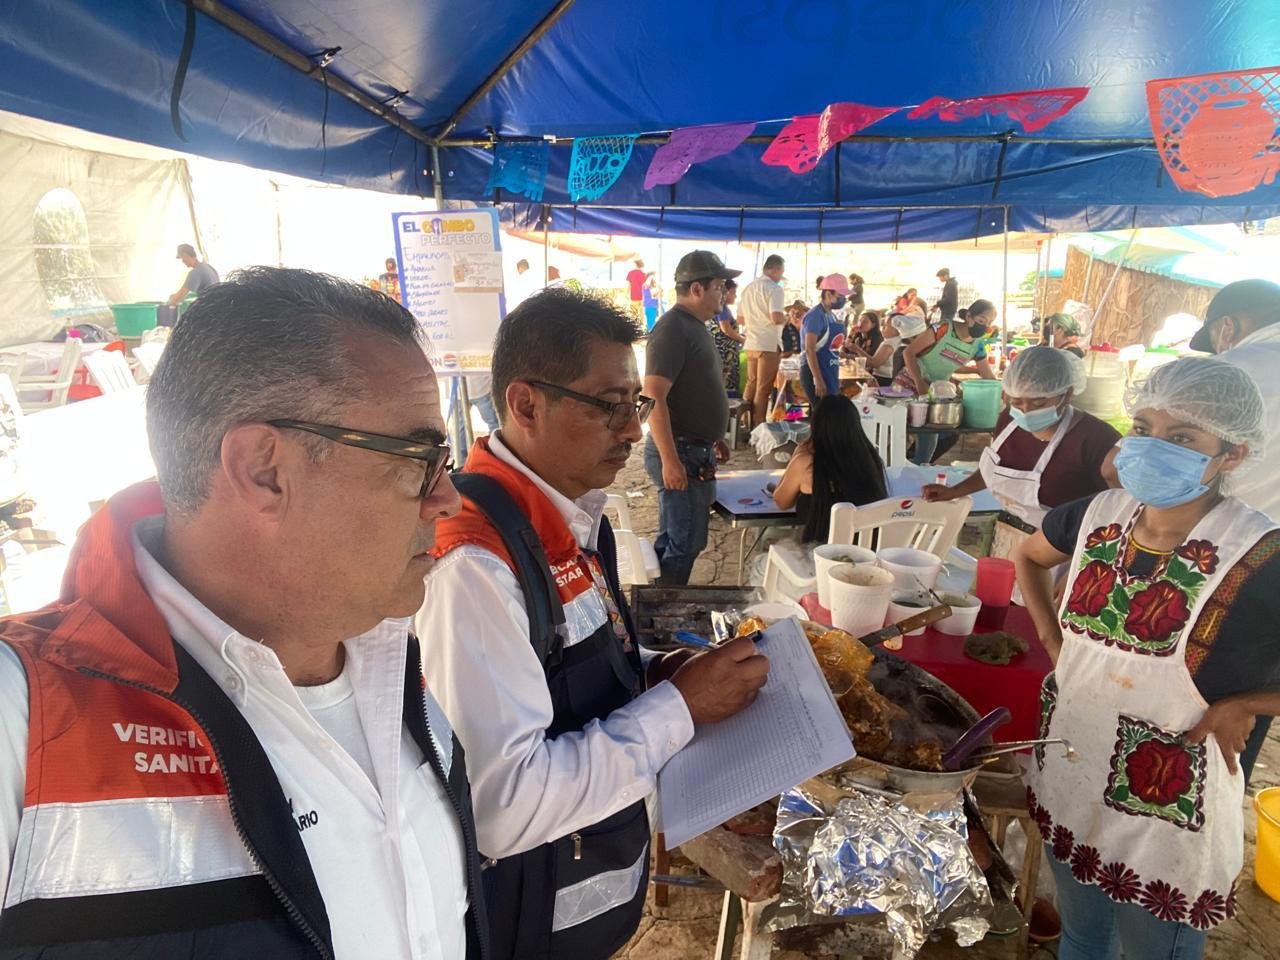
383, 840
1254, 481
526, 789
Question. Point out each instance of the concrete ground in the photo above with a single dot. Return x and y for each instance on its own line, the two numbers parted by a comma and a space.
688, 927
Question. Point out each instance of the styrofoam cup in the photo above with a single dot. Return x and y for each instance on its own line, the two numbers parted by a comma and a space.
904, 605
827, 555
913, 570
917, 413
964, 614
859, 597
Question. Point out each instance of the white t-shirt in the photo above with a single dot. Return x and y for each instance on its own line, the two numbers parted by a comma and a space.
758, 301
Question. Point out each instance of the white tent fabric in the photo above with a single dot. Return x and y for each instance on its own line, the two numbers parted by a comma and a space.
135, 212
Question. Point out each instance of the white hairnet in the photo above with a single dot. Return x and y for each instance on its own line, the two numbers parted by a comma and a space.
909, 324
1044, 372
1216, 396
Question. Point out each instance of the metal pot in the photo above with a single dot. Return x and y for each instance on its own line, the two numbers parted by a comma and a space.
945, 413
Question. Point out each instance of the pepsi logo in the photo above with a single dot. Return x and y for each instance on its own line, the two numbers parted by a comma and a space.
836, 341
905, 504
449, 360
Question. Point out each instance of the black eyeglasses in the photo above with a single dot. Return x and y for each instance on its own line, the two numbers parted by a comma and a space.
620, 414
434, 455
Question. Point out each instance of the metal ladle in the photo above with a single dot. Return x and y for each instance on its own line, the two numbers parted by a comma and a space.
995, 751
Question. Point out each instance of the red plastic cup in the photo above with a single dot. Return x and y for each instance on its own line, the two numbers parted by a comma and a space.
994, 582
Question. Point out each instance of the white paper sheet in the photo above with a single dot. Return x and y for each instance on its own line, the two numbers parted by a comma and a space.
793, 731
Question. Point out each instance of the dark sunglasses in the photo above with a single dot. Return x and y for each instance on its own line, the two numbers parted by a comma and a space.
434, 455
620, 414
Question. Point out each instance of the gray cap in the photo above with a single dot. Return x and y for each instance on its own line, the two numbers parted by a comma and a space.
702, 265
1259, 299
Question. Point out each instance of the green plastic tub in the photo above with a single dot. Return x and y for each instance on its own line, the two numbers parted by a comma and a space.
134, 319
981, 403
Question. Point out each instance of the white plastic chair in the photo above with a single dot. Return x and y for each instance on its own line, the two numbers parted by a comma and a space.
109, 370
11, 366
148, 356
886, 426
637, 560
931, 527
45, 392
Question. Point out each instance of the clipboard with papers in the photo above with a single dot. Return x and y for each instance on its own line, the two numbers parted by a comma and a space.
793, 731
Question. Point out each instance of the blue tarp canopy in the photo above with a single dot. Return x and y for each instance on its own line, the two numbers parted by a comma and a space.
462, 72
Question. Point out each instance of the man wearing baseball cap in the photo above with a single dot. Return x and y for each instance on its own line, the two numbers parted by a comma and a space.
200, 276
683, 376
1242, 326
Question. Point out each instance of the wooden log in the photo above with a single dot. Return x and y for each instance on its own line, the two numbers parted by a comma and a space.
748, 866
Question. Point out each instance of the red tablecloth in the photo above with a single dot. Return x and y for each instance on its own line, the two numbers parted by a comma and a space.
984, 685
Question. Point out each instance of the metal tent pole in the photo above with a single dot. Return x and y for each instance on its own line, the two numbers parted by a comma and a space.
1097, 311
1004, 294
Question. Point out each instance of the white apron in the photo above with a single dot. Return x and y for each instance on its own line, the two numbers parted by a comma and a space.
1018, 491
1148, 819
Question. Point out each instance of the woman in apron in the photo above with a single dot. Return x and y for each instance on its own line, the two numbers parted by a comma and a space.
1045, 452
936, 356
822, 336
1166, 655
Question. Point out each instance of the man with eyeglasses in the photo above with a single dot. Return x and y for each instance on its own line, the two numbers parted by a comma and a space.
689, 415
532, 651
218, 742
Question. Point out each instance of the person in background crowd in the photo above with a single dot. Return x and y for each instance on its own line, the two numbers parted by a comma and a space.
791, 340
899, 330
553, 278
562, 744
201, 276
856, 301
227, 701
867, 338
936, 355
1045, 452
389, 281
524, 286
910, 302
762, 321
636, 278
1064, 333
651, 300
837, 464
950, 298
479, 393
1167, 657
823, 335
683, 376
724, 330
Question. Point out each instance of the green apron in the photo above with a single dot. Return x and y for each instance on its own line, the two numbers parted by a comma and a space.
946, 356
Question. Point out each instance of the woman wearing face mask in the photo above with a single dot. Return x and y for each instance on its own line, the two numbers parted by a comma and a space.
1166, 655
1045, 452
822, 335
936, 355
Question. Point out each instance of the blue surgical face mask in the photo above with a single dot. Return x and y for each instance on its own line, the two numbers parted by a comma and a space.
1033, 421
839, 302
1160, 473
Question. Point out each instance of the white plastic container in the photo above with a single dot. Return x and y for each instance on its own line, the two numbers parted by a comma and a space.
964, 614
859, 597
913, 570
904, 605
917, 412
827, 555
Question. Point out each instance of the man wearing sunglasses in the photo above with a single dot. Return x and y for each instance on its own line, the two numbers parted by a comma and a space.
533, 653
218, 743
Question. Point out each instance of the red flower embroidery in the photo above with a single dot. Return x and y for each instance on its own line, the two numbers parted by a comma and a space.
1044, 821
1103, 535
1159, 773
1209, 910
1085, 863
1119, 882
1157, 612
1231, 901
1201, 554
1164, 901
1092, 588
1063, 841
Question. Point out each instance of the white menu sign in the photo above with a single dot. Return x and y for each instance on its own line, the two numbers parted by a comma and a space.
451, 280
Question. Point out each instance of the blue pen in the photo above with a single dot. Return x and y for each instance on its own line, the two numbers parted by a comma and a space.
691, 639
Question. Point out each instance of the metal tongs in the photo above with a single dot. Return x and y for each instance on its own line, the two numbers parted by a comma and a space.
988, 753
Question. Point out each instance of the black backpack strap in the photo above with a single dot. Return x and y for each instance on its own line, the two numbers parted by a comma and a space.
532, 569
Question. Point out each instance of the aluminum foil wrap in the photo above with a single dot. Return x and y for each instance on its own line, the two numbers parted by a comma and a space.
875, 855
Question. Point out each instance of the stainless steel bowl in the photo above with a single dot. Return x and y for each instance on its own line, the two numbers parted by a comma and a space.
945, 413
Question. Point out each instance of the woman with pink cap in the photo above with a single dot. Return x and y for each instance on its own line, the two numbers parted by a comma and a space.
822, 335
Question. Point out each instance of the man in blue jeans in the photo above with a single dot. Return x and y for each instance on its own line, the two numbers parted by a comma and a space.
686, 428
